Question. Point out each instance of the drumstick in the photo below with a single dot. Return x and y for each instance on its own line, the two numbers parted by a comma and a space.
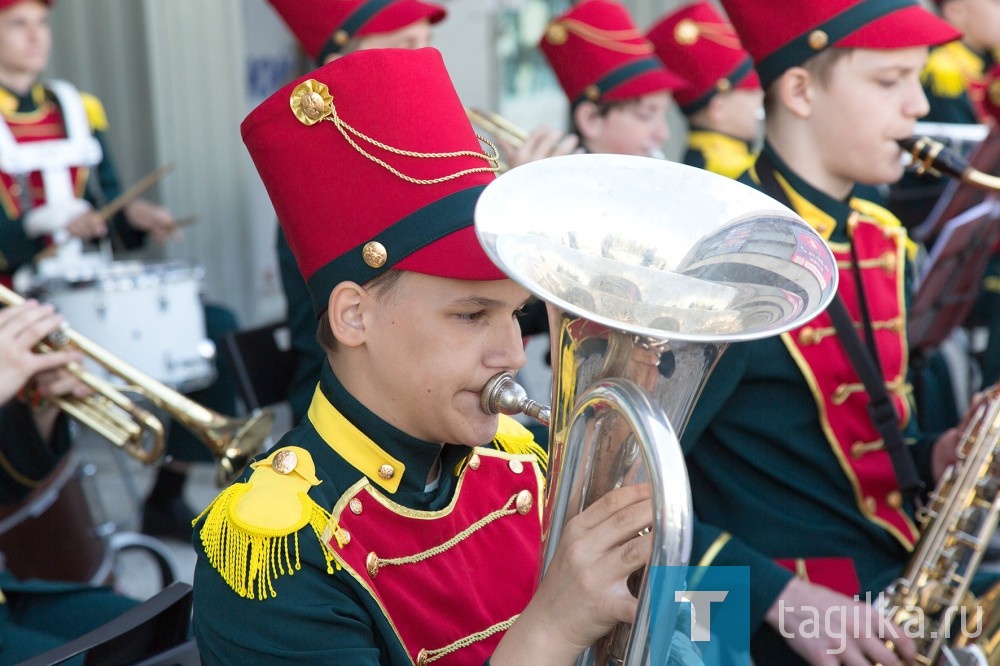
132, 193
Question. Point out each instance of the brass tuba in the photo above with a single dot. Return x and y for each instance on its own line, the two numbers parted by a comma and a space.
649, 269
127, 425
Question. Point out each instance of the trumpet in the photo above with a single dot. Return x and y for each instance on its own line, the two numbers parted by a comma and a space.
498, 126
134, 429
933, 157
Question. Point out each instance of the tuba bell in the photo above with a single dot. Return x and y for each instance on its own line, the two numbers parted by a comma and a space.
649, 270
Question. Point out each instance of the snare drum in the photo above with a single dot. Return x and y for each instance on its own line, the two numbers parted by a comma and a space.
149, 315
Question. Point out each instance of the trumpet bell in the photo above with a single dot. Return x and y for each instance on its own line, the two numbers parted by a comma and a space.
607, 238
240, 440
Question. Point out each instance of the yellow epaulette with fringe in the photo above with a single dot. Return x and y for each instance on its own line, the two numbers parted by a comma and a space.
950, 68
249, 525
885, 219
96, 115
512, 437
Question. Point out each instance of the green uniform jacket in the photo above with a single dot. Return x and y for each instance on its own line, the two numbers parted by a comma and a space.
312, 611
765, 481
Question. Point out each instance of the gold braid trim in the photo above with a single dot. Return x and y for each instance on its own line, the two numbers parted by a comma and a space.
248, 557
612, 40
427, 656
375, 562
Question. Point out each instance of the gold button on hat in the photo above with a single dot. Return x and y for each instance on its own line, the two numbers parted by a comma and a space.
686, 32
374, 254
818, 40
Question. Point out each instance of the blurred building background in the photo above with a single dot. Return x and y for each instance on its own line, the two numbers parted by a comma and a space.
177, 77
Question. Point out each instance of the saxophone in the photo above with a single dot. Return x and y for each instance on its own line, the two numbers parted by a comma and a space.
932, 600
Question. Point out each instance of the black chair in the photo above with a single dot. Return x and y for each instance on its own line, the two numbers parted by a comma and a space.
154, 633
262, 362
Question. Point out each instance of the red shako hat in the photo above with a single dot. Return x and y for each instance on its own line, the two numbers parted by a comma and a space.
371, 163
598, 55
324, 27
698, 41
780, 35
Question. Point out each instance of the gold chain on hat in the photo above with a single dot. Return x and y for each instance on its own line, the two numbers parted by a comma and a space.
688, 31
312, 102
613, 40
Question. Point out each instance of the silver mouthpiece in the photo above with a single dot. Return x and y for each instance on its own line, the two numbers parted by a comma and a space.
502, 395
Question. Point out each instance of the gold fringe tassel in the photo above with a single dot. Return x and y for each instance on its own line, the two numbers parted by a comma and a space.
249, 559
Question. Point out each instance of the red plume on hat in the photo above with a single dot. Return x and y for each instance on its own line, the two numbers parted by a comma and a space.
698, 41
598, 54
371, 163
324, 27
780, 35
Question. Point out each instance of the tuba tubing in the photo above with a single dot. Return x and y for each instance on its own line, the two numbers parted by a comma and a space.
117, 418
934, 158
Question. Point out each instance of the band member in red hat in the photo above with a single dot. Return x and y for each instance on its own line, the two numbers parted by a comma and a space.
722, 98
618, 90
790, 473
55, 175
327, 29
398, 523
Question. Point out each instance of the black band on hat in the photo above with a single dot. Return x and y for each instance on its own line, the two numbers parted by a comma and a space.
415, 231
343, 34
734, 77
596, 91
843, 24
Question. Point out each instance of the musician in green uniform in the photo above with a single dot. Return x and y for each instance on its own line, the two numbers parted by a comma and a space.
36, 616
722, 99
326, 29
55, 174
399, 523
789, 473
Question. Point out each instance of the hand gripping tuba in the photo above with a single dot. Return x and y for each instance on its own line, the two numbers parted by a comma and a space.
649, 269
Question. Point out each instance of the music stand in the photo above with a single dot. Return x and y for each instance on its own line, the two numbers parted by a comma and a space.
959, 196
950, 279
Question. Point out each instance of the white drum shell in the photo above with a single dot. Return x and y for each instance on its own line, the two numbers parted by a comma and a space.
149, 315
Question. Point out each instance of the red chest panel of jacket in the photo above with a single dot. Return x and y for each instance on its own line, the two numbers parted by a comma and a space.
45, 124
450, 581
840, 394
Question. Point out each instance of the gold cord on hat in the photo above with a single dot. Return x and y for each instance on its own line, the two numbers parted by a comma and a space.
612, 40
688, 31
312, 102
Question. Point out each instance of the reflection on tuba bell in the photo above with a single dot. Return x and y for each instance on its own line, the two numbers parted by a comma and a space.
649, 269
117, 418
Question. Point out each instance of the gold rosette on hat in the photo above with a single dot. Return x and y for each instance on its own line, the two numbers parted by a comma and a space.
311, 102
